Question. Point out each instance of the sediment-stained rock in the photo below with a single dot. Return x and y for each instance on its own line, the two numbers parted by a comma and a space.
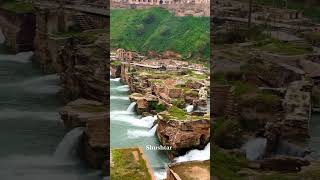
183, 135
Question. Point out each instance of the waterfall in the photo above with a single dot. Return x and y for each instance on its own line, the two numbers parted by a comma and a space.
255, 148
115, 79
189, 108
161, 174
23, 57
69, 143
195, 155
131, 107
48, 84
133, 134
119, 98
123, 88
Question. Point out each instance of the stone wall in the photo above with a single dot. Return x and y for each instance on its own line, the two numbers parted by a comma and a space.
223, 101
18, 29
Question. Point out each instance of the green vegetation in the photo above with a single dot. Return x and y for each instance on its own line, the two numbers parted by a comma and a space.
227, 133
180, 103
311, 10
87, 37
157, 106
284, 48
225, 166
241, 88
177, 113
158, 30
128, 165
115, 63
19, 7
241, 35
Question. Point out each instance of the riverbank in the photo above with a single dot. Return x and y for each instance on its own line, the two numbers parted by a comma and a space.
54, 47
266, 87
36, 147
160, 108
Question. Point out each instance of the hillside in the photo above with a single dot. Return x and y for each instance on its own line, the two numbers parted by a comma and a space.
158, 30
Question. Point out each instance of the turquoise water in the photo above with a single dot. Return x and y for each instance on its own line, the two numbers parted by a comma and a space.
129, 130
30, 125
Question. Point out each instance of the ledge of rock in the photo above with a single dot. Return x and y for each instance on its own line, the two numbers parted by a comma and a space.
77, 113
183, 135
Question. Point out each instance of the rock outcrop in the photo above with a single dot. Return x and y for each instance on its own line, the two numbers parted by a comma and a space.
183, 135
15, 26
297, 106
93, 116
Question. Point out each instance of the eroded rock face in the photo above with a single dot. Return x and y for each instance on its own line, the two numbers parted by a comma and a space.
283, 163
183, 135
77, 113
15, 26
144, 102
93, 116
84, 72
297, 106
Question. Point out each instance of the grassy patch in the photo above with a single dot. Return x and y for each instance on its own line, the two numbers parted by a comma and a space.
177, 113
115, 63
158, 30
87, 37
157, 106
284, 48
225, 166
127, 167
241, 88
19, 7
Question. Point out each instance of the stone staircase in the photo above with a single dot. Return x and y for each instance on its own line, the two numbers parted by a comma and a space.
85, 23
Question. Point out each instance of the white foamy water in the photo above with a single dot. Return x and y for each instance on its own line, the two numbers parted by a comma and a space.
146, 122
123, 88
255, 148
48, 84
189, 108
131, 107
15, 114
195, 155
69, 143
133, 134
23, 57
115, 79
119, 98
160, 175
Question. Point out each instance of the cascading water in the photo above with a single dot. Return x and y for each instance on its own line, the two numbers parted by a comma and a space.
195, 155
133, 134
31, 127
131, 130
66, 148
255, 148
189, 108
131, 107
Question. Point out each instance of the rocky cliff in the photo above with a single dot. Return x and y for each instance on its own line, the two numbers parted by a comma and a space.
18, 29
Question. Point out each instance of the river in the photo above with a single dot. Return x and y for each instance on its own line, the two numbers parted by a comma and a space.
31, 129
130, 130
314, 143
